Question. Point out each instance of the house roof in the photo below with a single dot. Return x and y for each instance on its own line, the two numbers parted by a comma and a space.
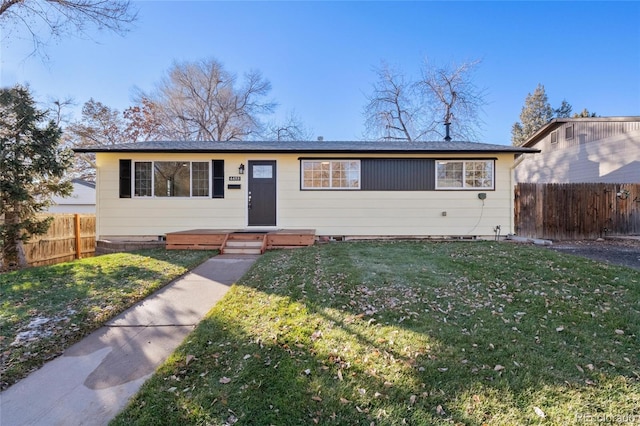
309, 147
86, 183
557, 122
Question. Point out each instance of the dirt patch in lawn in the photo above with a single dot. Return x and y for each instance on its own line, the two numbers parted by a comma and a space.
623, 251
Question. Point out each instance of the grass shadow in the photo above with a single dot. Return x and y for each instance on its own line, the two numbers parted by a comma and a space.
409, 333
44, 310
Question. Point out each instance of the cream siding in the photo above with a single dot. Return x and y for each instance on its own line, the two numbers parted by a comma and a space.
334, 212
600, 151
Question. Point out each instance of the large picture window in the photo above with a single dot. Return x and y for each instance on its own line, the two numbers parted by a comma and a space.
171, 179
330, 174
464, 174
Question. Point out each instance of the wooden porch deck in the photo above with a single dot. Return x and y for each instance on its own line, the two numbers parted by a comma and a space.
219, 239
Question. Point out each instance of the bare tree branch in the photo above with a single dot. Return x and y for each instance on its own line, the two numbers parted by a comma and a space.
453, 97
202, 101
65, 17
400, 109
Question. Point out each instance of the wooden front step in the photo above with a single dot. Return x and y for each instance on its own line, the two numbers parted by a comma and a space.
211, 239
243, 243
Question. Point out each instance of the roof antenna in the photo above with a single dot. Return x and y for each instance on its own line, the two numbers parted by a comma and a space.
447, 137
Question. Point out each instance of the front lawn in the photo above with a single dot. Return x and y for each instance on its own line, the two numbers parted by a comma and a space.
392, 333
43, 310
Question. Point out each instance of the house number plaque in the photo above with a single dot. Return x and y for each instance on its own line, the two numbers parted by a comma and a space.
235, 178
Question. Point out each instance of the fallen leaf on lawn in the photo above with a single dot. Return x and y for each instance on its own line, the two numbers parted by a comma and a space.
626, 359
590, 382
590, 367
620, 332
559, 329
340, 375
225, 380
580, 369
377, 395
412, 399
362, 391
440, 410
189, 359
307, 371
539, 412
172, 389
344, 400
442, 369
247, 356
316, 335
498, 367
388, 384
316, 398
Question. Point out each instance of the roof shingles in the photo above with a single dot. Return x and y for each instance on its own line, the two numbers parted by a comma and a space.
308, 147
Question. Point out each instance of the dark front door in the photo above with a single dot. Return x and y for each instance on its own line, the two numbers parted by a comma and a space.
261, 197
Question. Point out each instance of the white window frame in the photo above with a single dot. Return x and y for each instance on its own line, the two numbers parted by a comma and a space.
464, 186
153, 187
331, 163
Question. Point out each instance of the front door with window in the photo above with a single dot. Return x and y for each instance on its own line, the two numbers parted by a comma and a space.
261, 194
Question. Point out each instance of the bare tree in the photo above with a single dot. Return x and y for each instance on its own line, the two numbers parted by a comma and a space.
64, 17
453, 98
393, 111
416, 110
291, 129
99, 125
202, 101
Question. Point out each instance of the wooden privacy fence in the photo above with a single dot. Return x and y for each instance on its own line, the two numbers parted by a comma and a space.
70, 236
571, 211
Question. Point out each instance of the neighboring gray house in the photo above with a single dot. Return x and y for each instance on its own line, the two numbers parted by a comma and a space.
82, 200
589, 150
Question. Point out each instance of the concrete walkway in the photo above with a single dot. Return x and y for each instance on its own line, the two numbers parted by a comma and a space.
95, 378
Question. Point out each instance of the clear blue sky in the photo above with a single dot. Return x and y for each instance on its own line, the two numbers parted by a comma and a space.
319, 55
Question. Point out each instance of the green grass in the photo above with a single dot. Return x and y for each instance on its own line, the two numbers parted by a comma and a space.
409, 333
69, 300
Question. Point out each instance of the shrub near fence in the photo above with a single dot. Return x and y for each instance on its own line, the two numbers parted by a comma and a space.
70, 236
572, 211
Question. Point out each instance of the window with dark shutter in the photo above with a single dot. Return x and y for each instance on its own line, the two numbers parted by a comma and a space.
218, 179
125, 178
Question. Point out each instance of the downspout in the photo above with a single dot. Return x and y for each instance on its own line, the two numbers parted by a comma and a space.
512, 176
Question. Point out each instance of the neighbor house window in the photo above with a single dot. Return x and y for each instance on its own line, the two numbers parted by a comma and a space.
568, 132
464, 174
554, 137
330, 174
171, 179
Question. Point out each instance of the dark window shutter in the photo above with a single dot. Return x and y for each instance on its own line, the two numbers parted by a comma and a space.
125, 178
218, 179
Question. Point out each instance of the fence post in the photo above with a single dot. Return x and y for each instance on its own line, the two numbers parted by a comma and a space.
76, 222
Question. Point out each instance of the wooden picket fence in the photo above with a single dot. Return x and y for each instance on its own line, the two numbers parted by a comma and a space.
573, 211
70, 236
